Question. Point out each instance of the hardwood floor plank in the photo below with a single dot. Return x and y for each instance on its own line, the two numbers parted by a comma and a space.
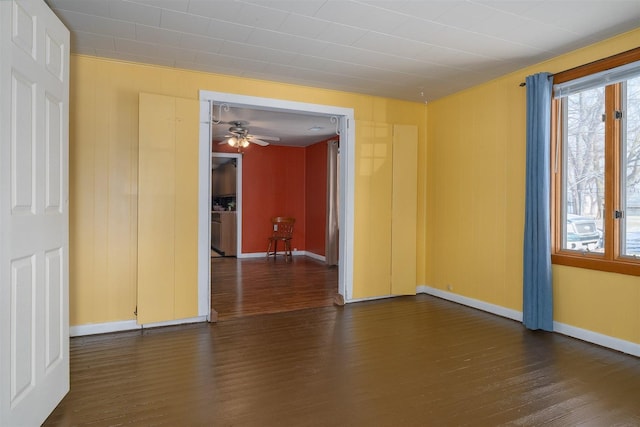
409, 361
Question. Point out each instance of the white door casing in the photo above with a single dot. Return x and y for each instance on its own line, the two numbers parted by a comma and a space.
34, 212
343, 118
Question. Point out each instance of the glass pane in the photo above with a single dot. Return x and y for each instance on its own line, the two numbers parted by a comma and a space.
584, 171
630, 225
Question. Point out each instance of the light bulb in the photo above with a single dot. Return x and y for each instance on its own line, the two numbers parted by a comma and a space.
245, 143
232, 141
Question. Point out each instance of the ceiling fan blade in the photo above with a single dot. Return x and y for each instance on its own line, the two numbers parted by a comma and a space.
258, 141
266, 138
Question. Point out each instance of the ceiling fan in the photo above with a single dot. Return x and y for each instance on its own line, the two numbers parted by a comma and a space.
239, 136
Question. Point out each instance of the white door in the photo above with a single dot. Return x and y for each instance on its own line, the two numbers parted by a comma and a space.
34, 212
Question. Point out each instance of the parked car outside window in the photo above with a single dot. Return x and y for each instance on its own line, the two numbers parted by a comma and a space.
583, 234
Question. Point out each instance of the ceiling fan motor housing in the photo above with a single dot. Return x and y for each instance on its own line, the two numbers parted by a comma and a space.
237, 128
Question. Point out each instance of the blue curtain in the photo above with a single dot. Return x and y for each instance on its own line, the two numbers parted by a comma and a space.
537, 286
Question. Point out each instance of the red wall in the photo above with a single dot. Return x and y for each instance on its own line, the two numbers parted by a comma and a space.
283, 181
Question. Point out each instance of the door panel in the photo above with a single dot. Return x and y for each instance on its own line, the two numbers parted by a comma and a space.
54, 178
23, 333
167, 208
372, 226
405, 210
34, 218
22, 144
156, 208
54, 317
386, 209
186, 203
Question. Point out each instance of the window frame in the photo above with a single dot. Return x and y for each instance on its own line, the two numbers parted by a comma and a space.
610, 260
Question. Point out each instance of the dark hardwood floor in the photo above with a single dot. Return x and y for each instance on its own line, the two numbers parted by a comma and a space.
408, 361
251, 286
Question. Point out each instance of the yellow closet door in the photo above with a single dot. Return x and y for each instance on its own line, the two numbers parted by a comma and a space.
404, 210
167, 208
372, 225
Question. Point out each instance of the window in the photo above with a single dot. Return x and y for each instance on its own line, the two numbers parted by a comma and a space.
596, 165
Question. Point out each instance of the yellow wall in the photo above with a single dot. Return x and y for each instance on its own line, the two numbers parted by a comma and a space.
475, 199
470, 187
103, 168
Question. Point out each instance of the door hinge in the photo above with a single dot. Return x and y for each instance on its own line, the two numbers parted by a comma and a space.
618, 115
618, 214
604, 117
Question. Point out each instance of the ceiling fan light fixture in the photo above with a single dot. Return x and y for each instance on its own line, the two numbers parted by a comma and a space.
238, 142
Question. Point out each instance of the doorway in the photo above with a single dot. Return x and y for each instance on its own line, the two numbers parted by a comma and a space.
226, 204
244, 283
338, 115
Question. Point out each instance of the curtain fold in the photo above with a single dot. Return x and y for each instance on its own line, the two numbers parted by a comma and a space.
331, 237
537, 278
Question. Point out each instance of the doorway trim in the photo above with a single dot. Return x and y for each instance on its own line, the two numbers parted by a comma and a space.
345, 119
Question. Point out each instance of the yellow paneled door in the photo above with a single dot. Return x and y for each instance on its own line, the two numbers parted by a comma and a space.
372, 226
167, 208
404, 210
385, 210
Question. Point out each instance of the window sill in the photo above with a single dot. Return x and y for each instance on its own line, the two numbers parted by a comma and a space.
596, 262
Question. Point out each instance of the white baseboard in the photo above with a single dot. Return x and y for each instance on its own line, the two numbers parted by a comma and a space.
561, 328
102, 328
597, 338
252, 255
125, 325
198, 319
314, 256
295, 253
370, 298
471, 302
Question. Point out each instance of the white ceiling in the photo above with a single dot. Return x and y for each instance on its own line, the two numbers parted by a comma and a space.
405, 49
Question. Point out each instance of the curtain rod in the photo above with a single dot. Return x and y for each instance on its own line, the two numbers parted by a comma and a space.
523, 84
